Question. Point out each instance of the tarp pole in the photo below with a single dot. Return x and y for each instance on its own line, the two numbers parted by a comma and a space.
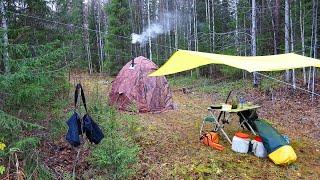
293, 79
309, 78
255, 81
313, 81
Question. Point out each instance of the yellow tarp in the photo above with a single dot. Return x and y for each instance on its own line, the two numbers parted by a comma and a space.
183, 60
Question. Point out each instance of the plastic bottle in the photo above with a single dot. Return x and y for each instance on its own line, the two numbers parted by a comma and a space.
241, 101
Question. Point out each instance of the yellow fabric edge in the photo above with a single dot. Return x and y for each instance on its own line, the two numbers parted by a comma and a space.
283, 155
181, 61
184, 60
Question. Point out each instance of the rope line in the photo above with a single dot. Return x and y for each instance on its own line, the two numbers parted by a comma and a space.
97, 31
288, 84
65, 24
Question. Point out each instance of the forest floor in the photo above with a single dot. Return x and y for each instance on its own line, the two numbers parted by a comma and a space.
170, 146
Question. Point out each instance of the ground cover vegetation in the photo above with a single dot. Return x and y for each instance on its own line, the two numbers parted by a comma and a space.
47, 47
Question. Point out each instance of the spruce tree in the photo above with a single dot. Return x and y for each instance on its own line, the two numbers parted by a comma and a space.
37, 80
118, 42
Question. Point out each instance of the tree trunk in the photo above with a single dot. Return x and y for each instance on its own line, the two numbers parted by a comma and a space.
189, 34
208, 21
292, 48
195, 31
302, 41
158, 40
276, 20
132, 18
237, 30
96, 17
254, 29
313, 41
105, 29
101, 48
195, 24
315, 46
273, 27
212, 31
207, 12
213, 26
176, 39
5, 40
169, 32
70, 30
149, 23
287, 35
85, 13
253, 39
245, 36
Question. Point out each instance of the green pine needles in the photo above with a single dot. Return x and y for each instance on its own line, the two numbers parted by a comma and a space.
117, 154
36, 78
11, 130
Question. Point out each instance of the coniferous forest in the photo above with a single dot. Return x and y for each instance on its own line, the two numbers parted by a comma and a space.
48, 46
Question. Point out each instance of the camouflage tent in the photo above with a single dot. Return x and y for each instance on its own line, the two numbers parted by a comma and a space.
134, 90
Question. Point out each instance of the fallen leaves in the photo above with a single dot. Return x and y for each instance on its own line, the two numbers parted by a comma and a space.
60, 157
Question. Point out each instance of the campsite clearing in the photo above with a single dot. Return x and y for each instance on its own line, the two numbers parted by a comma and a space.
169, 141
171, 147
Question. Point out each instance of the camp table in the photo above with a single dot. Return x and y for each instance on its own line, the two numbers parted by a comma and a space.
218, 126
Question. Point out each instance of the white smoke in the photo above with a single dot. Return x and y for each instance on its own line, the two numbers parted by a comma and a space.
163, 25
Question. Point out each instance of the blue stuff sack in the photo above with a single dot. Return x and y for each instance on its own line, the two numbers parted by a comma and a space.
92, 130
74, 130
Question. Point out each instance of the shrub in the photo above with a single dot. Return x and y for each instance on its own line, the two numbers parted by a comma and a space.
36, 81
117, 154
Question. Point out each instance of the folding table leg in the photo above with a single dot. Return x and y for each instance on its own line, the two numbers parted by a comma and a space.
246, 121
220, 128
225, 134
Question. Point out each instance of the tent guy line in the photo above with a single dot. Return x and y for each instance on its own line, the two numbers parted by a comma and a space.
297, 87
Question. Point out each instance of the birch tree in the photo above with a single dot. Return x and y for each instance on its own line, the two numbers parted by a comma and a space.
253, 38
213, 25
99, 35
176, 38
149, 23
301, 19
168, 24
189, 37
85, 21
292, 47
287, 35
69, 14
5, 39
236, 29
315, 45
315, 16
195, 28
